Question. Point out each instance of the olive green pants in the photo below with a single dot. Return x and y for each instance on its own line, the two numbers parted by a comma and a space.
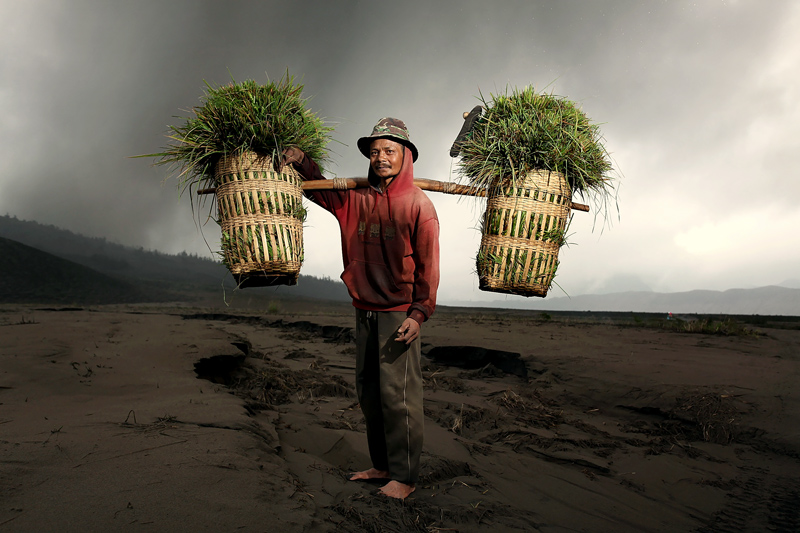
389, 387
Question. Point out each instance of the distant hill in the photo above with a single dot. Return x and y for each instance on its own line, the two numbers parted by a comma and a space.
28, 275
159, 276
791, 283
770, 300
114, 259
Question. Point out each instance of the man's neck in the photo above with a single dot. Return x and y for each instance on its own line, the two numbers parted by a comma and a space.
385, 182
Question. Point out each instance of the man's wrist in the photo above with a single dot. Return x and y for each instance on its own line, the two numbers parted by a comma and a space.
417, 316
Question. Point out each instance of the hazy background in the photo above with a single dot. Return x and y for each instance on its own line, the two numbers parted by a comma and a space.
698, 100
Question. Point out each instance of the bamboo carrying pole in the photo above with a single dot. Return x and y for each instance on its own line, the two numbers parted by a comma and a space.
422, 183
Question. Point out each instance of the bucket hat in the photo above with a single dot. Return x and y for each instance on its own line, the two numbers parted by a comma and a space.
390, 128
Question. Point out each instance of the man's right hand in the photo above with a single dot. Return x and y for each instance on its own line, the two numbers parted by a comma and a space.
293, 155
408, 331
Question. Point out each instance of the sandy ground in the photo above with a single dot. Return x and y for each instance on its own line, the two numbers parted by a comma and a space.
182, 419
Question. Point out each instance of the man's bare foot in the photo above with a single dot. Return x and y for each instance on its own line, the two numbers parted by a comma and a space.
372, 473
395, 489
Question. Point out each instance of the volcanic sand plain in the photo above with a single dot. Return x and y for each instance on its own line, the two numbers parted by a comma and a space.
178, 418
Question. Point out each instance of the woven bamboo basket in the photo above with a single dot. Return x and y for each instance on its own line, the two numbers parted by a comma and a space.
261, 215
523, 228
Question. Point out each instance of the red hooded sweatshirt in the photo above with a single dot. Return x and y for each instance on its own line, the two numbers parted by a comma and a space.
390, 241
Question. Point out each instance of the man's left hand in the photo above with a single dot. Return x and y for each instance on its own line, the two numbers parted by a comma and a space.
408, 331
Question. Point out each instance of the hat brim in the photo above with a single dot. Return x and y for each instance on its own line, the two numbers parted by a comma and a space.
365, 142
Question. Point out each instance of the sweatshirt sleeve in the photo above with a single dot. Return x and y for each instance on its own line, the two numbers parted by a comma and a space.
330, 200
426, 276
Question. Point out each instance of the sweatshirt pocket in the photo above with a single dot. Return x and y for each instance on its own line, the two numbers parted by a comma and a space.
372, 284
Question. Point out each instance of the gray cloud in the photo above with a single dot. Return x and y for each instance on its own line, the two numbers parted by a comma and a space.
698, 101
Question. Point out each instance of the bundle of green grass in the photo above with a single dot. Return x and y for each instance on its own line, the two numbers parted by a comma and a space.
233, 143
531, 152
243, 117
525, 131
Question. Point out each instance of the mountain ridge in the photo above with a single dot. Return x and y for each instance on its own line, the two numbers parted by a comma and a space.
164, 277
29, 275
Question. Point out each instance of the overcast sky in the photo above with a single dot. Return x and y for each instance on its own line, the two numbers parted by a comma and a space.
699, 105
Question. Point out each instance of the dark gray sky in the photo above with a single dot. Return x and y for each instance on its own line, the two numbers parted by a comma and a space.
698, 100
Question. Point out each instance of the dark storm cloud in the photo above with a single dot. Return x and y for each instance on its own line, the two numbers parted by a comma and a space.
94, 82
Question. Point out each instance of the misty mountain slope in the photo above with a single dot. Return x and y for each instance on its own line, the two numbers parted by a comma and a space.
111, 258
162, 274
28, 275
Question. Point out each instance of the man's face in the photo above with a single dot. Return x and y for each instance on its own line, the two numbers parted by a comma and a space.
386, 158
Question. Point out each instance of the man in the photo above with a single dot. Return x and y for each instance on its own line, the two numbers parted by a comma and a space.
390, 250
